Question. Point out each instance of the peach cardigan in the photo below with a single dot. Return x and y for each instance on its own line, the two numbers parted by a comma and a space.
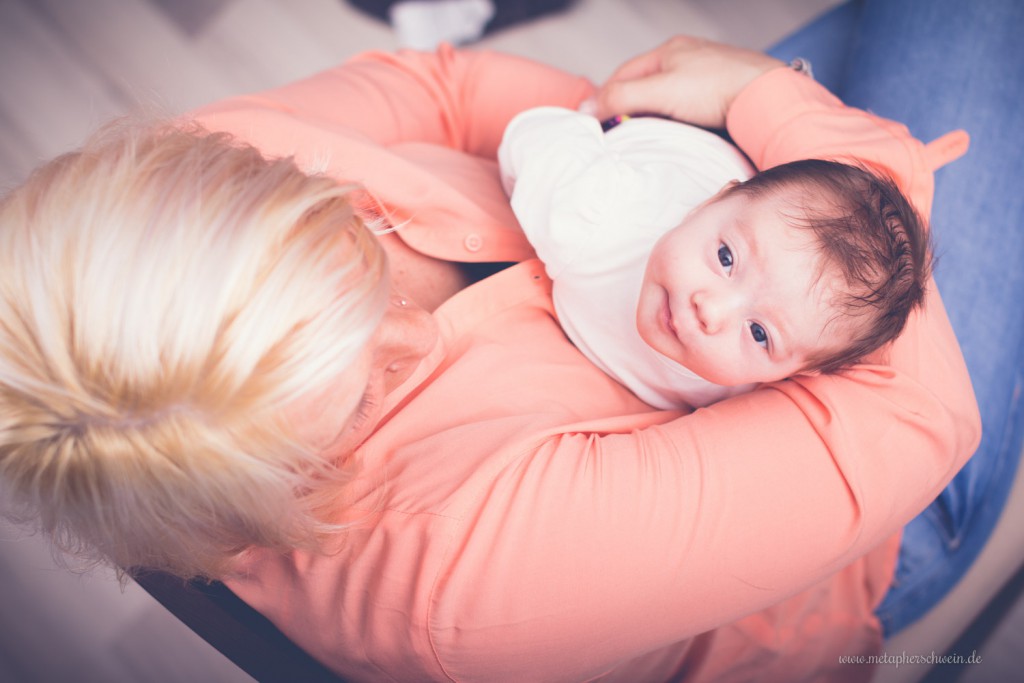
521, 517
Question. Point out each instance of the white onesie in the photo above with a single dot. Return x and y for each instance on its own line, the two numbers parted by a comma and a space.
593, 204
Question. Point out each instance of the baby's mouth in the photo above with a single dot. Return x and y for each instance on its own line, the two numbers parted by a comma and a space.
667, 317
669, 324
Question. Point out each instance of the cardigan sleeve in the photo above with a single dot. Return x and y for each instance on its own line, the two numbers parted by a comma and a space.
571, 194
784, 116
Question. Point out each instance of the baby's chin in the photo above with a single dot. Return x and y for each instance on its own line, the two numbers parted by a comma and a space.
711, 371
720, 379
746, 383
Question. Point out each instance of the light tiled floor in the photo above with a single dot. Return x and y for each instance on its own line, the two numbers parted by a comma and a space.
66, 66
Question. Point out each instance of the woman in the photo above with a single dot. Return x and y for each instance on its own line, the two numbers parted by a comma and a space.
539, 523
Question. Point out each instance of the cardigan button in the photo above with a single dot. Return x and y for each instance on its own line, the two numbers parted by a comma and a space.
473, 242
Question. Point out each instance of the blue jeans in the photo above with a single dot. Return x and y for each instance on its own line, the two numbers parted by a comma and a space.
936, 65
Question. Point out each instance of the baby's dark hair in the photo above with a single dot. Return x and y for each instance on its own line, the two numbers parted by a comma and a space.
869, 233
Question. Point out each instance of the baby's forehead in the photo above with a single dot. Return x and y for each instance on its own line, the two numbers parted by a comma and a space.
795, 268
779, 217
822, 320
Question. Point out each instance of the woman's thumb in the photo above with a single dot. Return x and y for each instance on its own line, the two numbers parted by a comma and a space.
640, 95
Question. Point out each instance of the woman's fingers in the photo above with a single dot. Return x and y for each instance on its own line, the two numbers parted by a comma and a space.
653, 94
690, 79
638, 67
666, 93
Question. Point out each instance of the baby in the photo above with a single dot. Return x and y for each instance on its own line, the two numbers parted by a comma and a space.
687, 276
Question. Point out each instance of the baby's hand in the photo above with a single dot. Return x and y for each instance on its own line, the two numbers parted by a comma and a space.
689, 79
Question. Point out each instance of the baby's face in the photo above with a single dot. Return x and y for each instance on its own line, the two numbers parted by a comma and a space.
734, 294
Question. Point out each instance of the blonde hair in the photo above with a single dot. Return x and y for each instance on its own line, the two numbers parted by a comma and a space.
164, 294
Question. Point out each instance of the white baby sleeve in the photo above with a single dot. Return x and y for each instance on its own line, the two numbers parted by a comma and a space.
562, 182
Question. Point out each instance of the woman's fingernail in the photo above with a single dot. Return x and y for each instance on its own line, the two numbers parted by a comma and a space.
588, 107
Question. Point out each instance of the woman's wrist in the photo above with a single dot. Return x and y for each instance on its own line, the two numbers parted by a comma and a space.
769, 104
757, 66
802, 65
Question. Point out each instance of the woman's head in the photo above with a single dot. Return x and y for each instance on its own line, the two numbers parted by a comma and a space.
165, 296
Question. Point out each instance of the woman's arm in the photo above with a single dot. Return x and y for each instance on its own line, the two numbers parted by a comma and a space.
717, 86
420, 132
454, 98
650, 536
811, 123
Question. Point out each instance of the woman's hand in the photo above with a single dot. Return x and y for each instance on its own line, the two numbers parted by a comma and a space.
689, 79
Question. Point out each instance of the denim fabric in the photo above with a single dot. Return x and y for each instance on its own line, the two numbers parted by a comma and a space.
937, 65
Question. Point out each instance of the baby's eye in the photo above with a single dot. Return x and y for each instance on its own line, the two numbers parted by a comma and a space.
759, 334
725, 257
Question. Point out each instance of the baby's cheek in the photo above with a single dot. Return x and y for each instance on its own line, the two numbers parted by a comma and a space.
708, 365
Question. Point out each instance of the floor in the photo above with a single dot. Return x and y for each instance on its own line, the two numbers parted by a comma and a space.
67, 66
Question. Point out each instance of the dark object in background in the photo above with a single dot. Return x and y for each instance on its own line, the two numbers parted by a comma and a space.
506, 12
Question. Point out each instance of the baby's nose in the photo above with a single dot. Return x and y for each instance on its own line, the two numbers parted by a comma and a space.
714, 310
